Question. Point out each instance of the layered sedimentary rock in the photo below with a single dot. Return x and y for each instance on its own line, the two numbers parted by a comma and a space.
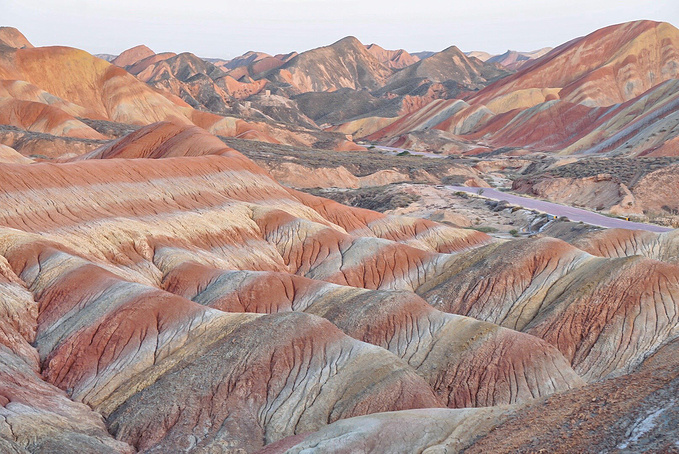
51, 87
633, 413
161, 140
151, 284
406, 431
112, 344
11, 37
447, 350
599, 192
161, 292
604, 315
514, 60
39, 117
132, 56
613, 91
450, 64
39, 417
627, 243
10, 155
106, 91
610, 66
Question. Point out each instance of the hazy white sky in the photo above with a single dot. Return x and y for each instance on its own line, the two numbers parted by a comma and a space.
228, 28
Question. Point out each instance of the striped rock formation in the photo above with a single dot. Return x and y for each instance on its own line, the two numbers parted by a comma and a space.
627, 243
633, 413
614, 90
609, 66
160, 292
604, 315
198, 282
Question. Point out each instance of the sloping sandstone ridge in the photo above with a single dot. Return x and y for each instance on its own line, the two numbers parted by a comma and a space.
161, 292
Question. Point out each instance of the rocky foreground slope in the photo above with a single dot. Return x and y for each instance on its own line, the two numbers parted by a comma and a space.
161, 292
191, 303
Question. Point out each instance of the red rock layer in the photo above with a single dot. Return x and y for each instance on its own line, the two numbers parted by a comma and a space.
114, 344
162, 140
39, 117
610, 66
634, 413
627, 243
402, 323
584, 306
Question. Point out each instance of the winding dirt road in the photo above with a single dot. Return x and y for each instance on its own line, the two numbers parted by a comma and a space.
574, 214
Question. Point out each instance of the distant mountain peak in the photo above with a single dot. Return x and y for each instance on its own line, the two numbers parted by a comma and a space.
133, 55
12, 37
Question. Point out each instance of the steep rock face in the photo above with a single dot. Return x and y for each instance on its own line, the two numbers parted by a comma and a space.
345, 63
